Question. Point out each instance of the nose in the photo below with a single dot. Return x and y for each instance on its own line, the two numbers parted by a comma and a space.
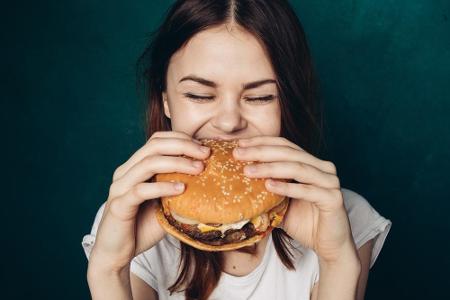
228, 117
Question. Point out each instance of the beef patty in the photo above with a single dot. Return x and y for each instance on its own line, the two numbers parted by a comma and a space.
214, 237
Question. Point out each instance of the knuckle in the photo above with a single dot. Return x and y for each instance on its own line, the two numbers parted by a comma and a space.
112, 190
116, 190
256, 150
115, 175
115, 206
337, 197
156, 134
330, 167
290, 144
148, 161
188, 144
286, 187
183, 134
306, 188
305, 170
153, 141
137, 191
188, 164
265, 167
337, 182
301, 166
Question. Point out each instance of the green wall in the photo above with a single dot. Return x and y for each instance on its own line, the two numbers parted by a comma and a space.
72, 115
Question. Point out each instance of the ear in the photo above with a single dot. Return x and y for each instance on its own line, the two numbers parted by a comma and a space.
166, 105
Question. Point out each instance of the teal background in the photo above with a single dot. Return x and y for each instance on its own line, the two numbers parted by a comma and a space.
71, 116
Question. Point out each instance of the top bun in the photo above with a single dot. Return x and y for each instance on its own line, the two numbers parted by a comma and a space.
221, 193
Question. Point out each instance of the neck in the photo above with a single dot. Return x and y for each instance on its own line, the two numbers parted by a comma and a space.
239, 263
255, 251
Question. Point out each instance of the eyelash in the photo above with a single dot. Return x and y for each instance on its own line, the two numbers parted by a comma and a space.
207, 98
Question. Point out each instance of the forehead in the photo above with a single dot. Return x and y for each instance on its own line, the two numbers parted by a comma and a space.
222, 54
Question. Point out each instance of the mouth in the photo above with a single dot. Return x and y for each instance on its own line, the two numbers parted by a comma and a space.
225, 138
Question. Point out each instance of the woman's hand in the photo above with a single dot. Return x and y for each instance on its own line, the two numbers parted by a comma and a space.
129, 224
316, 216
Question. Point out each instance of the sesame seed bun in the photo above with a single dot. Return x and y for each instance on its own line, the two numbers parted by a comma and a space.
221, 194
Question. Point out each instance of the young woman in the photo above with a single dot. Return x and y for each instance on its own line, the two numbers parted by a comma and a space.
233, 70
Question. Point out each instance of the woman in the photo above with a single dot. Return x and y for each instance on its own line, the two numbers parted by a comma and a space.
233, 70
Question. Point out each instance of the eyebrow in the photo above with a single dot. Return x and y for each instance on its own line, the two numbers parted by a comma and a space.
246, 86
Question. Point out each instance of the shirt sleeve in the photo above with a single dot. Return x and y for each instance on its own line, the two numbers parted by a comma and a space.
366, 223
139, 266
315, 274
89, 239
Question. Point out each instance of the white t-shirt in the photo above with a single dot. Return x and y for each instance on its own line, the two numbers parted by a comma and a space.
158, 266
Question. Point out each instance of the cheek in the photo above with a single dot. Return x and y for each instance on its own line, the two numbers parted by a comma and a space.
267, 121
187, 118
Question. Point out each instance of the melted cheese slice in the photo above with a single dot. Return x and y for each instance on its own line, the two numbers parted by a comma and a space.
260, 222
205, 228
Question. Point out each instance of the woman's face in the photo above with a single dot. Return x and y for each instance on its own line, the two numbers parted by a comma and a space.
219, 66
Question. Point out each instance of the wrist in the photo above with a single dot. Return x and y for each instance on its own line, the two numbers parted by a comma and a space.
109, 284
352, 267
101, 262
347, 257
96, 270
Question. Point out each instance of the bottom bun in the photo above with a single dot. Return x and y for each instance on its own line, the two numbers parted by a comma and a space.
202, 246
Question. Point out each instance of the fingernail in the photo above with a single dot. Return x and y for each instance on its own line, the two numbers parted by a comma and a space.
272, 183
239, 150
197, 164
204, 149
179, 186
250, 169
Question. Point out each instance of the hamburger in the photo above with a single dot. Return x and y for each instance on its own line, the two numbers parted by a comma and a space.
221, 209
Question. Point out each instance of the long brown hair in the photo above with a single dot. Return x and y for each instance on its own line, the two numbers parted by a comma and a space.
278, 28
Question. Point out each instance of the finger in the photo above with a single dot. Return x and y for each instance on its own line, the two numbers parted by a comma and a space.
325, 199
268, 140
172, 134
145, 150
152, 165
125, 207
164, 146
300, 172
269, 153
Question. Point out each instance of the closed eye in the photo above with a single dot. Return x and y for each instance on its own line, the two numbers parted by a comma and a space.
196, 97
250, 99
265, 98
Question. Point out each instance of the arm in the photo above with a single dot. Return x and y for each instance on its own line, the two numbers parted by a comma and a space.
339, 279
141, 290
128, 225
119, 285
109, 284
365, 253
